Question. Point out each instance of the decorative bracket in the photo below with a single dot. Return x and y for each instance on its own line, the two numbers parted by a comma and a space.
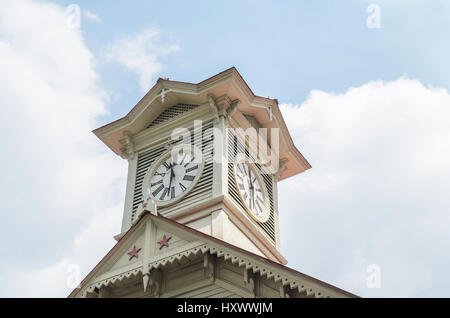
128, 146
153, 280
209, 266
232, 108
283, 292
162, 94
266, 107
214, 107
249, 282
281, 166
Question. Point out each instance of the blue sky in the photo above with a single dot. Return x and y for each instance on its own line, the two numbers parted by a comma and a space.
283, 51
368, 107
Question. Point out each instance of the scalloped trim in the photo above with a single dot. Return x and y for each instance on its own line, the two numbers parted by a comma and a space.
220, 253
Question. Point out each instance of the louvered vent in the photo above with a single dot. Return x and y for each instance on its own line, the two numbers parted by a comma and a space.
235, 147
201, 191
172, 112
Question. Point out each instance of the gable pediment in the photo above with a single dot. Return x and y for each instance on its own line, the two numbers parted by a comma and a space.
191, 260
172, 112
146, 243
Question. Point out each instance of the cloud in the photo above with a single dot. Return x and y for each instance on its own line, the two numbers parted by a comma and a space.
91, 16
378, 189
60, 278
62, 189
141, 54
377, 193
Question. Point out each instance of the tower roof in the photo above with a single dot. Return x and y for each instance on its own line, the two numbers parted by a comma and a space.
230, 83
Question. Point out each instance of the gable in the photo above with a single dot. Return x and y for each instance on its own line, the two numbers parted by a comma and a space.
172, 112
144, 244
176, 260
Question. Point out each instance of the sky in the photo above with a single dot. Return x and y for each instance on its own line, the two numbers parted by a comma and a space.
363, 87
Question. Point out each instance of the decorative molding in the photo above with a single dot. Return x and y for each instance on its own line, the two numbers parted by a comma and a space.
112, 280
104, 292
162, 94
266, 107
127, 151
145, 280
283, 293
222, 106
251, 268
134, 252
249, 282
281, 166
232, 109
214, 107
155, 283
164, 241
197, 92
209, 266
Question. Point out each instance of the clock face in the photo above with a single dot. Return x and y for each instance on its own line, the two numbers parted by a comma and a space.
252, 191
172, 176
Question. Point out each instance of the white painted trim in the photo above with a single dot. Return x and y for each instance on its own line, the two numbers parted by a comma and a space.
220, 184
129, 194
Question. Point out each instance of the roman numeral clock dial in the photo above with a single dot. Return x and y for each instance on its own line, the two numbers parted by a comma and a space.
251, 190
172, 176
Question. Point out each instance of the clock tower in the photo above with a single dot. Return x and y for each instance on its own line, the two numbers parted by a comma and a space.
204, 162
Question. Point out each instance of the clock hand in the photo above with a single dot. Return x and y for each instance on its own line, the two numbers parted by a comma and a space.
253, 190
172, 175
250, 188
171, 169
182, 160
252, 194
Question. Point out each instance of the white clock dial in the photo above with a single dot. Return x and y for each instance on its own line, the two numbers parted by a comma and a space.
251, 191
172, 177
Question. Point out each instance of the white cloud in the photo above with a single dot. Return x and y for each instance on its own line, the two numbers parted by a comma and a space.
141, 53
378, 189
377, 193
91, 16
56, 279
62, 189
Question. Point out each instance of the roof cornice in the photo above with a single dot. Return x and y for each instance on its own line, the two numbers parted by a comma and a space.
132, 123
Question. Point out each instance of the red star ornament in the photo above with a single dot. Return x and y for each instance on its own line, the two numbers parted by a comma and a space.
164, 241
134, 252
